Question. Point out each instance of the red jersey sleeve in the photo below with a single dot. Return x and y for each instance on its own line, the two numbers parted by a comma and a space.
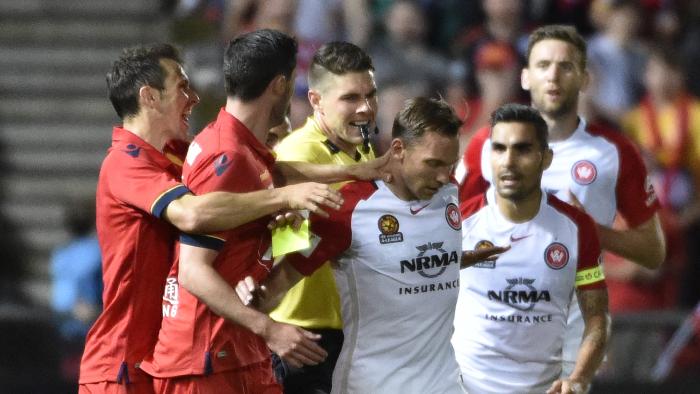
218, 171
589, 272
331, 236
636, 199
143, 184
474, 183
473, 205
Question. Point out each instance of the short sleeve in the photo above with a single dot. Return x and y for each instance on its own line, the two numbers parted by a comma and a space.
143, 184
473, 182
636, 199
333, 235
225, 171
589, 272
309, 152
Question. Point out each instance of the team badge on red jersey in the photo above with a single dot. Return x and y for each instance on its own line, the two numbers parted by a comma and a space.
389, 228
556, 256
221, 164
584, 172
453, 217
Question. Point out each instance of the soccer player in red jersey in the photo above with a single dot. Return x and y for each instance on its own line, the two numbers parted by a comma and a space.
141, 204
210, 342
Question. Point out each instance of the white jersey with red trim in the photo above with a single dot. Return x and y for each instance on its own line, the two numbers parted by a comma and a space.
512, 312
396, 265
602, 168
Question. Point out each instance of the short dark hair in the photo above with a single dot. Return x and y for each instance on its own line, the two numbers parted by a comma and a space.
338, 57
254, 59
420, 115
137, 67
522, 114
564, 33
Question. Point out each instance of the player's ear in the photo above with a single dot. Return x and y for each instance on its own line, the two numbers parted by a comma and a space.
525, 78
585, 81
315, 100
547, 158
147, 96
398, 149
279, 84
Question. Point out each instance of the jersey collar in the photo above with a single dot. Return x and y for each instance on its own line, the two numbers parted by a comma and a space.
125, 140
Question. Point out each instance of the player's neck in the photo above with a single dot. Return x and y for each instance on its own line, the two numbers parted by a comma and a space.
146, 130
255, 115
397, 184
520, 211
561, 127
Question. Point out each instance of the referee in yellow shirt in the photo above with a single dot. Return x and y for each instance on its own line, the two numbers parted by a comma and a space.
343, 95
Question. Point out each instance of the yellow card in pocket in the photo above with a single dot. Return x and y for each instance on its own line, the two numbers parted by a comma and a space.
285, 240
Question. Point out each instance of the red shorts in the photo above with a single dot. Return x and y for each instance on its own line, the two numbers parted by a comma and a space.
143, 387
253, 379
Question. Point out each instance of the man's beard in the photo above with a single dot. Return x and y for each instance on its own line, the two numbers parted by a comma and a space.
566, 107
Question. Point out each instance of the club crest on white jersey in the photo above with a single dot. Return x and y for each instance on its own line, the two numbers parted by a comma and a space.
584, 172
453, 217
556, 256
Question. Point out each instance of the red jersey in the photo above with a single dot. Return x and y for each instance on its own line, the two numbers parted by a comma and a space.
135, 185
193, 340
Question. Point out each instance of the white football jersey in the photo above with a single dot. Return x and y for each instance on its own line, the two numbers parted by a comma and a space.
602, 168
397, 272
512, 312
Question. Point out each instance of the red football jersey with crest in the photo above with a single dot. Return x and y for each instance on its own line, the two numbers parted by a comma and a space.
193, 340
135, 185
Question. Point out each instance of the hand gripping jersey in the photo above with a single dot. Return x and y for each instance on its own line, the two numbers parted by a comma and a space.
193, 340
602, 168
512, 312
136, 184
397, 271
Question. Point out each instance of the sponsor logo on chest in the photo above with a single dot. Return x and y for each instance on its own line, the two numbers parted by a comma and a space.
431, 261
520, 294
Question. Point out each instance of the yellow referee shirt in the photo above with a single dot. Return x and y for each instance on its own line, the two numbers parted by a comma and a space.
313, 302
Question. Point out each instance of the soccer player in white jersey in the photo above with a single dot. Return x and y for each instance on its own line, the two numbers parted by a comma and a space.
512, 312
600, 168
396, 249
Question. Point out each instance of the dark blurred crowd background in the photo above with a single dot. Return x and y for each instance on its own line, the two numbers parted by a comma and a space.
643, 59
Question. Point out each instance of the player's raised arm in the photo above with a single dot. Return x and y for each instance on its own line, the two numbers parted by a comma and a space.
294, 171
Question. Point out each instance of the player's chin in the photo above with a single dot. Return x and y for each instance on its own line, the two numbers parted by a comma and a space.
428, 193
510, 193
354, 137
